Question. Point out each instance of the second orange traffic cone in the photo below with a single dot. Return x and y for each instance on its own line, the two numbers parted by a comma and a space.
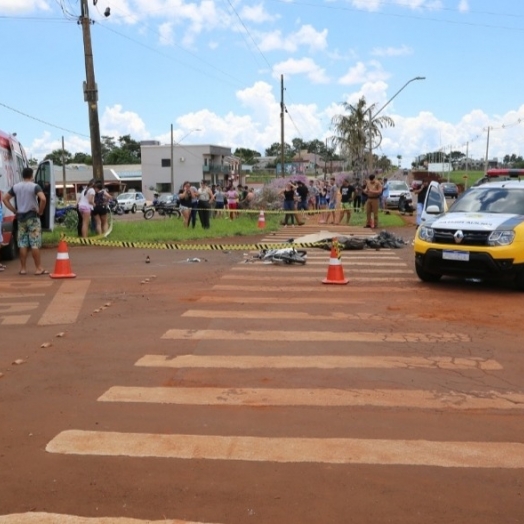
261, 220
62, 265
335, 274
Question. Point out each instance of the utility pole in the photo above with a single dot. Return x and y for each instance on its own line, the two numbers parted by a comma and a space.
486, 161
282, 144
91, 93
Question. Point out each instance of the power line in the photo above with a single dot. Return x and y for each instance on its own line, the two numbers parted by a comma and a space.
41, 121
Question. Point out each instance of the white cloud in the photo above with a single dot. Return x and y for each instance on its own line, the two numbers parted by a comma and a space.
115, 122
362, 73
306, 36
256, 13
463, 6
376, 5
304, 66
166, 36
392, 51
23, 6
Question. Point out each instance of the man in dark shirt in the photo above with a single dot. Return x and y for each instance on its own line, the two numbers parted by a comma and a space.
346, 200
303, 193
421, 193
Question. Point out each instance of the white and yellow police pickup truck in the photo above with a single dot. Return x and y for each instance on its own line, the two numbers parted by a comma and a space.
481, 236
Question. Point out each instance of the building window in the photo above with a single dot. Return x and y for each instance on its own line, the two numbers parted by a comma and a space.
166, 162
163, 188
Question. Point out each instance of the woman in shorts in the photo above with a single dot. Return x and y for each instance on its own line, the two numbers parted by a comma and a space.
100, 210
185, 198
86, 203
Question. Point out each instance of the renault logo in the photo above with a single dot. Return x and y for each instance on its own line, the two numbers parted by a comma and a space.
458, 236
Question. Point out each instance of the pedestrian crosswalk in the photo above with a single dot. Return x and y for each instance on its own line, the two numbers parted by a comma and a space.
271, 320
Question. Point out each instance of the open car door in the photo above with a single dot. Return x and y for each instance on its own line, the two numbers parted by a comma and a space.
45, 178
435, 203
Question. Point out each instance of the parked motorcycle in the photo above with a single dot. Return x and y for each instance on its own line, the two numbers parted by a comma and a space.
163, 208
405, 204
61, 213
115, 207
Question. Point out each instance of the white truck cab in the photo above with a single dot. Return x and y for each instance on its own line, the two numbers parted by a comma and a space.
13, 160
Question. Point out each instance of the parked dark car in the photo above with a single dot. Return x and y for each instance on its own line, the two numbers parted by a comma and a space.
450, 190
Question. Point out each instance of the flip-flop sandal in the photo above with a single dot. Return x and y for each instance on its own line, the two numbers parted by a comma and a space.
22, 272
44, 272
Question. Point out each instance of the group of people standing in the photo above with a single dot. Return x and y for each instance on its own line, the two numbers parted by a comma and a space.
337, 201
92, 208
206, 201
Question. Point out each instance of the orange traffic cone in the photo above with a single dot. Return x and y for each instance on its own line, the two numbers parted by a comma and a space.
62, 265
261, 220
335, 274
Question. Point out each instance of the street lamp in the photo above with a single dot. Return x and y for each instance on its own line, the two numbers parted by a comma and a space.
372, 117
172, 149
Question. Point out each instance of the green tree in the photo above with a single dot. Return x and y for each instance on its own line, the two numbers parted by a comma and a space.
59, 157
358, 128
82, 158
274, 150
248, 156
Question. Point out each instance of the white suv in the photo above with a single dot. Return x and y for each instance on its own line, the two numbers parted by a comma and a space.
132, 201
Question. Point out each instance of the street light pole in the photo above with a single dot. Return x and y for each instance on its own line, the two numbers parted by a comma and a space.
172, 154
91, 94
372, 117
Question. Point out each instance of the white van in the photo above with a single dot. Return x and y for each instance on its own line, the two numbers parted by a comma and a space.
12, 161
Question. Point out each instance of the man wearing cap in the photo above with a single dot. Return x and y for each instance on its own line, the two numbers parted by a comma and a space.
373, 191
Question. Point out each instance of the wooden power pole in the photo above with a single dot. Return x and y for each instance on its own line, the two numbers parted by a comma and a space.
91, 93
282, 111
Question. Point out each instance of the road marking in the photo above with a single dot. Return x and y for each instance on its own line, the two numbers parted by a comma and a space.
312, 336
262, 397
316, 362
243, 265
15, 320
17, 307
213, 299
294, 315
8, 310
293, 276
247, 290
56, 518
66, 304
21, 286
19, 295
508, 455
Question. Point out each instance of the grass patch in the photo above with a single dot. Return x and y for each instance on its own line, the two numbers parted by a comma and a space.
172, 229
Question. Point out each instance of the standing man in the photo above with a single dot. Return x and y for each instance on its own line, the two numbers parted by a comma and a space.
346, 200
373, 190
30, 206
421, 193
333, 194
303, 193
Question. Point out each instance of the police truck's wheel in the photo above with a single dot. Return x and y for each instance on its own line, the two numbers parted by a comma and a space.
519, 281
133, 209
10, 252
425, 276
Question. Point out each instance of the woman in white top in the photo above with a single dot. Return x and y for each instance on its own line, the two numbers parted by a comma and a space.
86, 203
205, 197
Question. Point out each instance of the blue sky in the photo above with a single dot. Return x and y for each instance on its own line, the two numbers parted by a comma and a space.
212, 68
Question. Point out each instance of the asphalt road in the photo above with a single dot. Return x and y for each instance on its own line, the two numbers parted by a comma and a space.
228, 392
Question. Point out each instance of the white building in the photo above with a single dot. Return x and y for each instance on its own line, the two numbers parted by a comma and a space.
190, 162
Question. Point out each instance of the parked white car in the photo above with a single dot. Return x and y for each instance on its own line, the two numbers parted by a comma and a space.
132, 201
396, 189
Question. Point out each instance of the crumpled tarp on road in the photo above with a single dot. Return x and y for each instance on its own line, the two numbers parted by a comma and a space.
384, 239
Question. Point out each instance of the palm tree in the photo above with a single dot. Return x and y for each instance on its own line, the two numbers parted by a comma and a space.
359, 130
